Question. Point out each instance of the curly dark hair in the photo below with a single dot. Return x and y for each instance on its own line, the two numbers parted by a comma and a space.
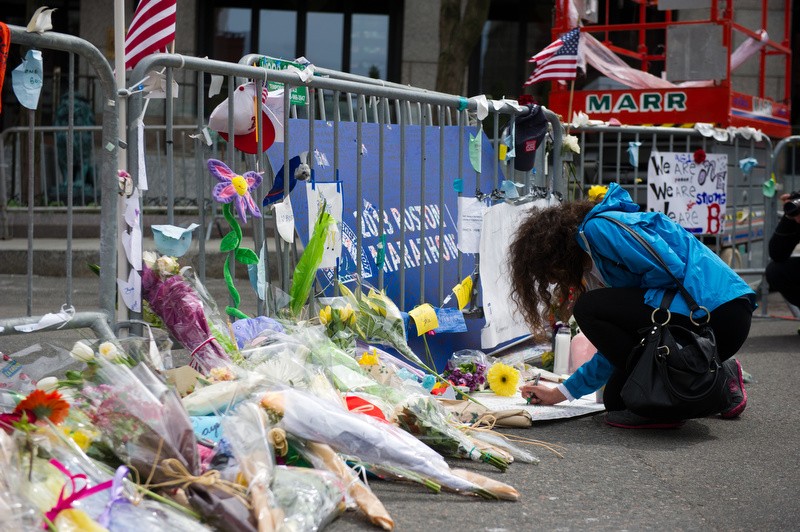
544, 252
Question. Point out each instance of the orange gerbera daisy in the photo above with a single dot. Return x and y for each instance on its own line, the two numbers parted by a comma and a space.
44, 406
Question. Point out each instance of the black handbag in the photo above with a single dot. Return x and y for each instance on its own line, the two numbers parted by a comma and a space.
674, 373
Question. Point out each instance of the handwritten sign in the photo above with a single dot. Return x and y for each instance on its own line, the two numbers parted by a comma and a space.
692, 194
424, 317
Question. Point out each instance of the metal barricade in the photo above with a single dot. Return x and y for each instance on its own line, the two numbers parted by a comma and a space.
106, 159
336, 99
605, 158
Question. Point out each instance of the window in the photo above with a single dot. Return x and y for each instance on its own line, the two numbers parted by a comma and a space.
355, 36
277, 33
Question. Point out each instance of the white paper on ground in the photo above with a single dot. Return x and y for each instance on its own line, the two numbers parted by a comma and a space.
579, 407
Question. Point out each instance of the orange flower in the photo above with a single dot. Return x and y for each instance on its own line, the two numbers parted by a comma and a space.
44, 406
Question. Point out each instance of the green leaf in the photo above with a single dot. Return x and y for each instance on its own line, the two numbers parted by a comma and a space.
229, 242
246, 256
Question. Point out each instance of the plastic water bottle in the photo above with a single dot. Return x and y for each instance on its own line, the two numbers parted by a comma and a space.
561, 354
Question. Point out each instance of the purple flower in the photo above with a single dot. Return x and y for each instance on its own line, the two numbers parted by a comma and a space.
236, 187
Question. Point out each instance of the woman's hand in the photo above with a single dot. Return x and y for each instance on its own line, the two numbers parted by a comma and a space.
541, 395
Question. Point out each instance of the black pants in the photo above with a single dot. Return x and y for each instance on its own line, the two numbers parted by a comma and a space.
785, 278
612, 318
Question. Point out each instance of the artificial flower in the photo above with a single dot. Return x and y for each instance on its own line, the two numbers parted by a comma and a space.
81, 351
41, 406
570, 144
699, 156
597, 192
236, 188
47, 384
503, 379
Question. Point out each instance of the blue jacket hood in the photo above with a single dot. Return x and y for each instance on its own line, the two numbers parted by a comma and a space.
616, 199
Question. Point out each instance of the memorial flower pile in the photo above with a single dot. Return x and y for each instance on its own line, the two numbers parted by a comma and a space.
263, 437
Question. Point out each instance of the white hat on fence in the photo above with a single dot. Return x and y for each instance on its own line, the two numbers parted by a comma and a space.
244, 124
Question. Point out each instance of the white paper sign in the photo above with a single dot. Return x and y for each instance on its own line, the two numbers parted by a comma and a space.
284, 219
132, 243
470, 219
692, 194
331, 193
132, 212
131, 291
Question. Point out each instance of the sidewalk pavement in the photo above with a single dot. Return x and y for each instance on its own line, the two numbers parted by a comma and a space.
50, 255
711, 474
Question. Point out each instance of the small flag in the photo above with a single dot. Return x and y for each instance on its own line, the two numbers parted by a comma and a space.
152, 29
559, 60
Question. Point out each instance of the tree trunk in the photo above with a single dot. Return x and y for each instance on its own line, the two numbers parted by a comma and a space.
458, 36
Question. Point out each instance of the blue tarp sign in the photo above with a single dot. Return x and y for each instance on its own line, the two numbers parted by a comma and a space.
420, 255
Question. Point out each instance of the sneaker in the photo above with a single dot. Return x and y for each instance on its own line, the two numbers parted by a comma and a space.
737, 397
628, 420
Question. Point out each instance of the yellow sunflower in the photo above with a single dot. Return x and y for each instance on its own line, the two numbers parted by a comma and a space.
503, 379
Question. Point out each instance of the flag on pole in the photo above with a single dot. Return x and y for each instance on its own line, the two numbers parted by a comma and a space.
152, 29
559, 60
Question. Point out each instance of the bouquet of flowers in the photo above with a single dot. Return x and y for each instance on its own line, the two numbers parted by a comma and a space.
467, 368
366, 438
181, 310
141, 420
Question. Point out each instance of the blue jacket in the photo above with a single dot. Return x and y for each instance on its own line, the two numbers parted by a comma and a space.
623, 262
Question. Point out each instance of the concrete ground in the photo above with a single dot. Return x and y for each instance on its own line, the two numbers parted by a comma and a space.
711, 474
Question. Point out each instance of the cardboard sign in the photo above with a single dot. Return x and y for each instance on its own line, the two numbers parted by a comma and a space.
692, 194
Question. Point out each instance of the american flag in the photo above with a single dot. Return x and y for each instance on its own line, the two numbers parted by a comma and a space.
559, 60
152, 29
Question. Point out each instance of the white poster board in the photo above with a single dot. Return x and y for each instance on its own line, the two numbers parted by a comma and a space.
331, 193
692, 194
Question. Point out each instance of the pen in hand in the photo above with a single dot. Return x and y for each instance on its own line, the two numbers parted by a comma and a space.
535, 383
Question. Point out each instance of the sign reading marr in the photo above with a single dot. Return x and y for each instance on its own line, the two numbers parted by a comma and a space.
693, 194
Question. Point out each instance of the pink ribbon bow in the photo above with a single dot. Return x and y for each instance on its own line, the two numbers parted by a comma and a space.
65, 503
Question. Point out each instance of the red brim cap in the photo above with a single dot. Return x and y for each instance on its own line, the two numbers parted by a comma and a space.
249, 143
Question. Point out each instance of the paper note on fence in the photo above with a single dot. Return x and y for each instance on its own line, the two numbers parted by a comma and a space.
470, 218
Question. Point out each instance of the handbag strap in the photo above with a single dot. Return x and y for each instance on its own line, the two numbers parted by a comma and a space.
693, 306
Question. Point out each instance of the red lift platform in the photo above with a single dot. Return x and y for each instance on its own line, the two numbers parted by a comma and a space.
678, 105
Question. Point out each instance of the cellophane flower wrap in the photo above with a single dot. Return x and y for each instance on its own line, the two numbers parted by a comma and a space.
467, 368
245, 429
361, 436
378, 320
182, 311
141, 420
18, 511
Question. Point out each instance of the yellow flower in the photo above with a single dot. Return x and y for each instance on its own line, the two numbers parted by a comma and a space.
597, 192
346, 314
325, 315
368, 360
503, 379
